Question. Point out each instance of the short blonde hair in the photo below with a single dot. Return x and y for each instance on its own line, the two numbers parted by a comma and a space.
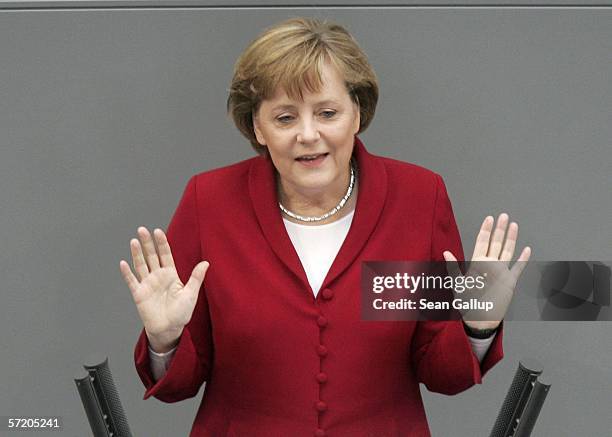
291, 54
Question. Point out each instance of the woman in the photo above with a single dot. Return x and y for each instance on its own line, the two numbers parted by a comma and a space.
276, 332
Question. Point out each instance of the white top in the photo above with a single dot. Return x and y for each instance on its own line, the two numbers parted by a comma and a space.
317, 247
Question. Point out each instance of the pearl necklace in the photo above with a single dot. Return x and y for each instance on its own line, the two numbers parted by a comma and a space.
328, 214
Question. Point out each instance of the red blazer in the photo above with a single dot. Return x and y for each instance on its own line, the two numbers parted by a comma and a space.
277, 361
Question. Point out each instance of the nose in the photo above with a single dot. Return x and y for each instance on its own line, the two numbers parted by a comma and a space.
308, 132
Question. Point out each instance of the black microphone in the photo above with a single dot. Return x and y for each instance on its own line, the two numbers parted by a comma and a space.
101, 402
522, 404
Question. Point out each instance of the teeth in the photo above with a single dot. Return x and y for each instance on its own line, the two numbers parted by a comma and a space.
310, 157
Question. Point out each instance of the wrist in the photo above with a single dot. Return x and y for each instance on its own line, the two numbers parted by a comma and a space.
482, 324
480, 331
165, 342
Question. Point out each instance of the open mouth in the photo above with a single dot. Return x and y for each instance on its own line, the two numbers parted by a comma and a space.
312, 158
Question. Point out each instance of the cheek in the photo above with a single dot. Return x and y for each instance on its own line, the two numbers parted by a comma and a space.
344, 134
280, 145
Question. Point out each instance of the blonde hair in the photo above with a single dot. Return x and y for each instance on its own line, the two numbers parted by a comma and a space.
291, 54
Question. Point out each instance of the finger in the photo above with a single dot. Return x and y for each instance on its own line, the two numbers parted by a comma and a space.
521, 263
510, 243
197, 277
148, 247
497, 240
140, 265
128, 276
163, 247
482, 239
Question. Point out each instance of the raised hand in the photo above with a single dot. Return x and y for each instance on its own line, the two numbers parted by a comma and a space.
498, 247
164, 303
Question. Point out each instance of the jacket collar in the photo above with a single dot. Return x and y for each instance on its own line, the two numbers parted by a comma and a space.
370, 201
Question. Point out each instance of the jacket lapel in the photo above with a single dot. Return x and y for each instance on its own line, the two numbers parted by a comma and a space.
370, 201
262, 190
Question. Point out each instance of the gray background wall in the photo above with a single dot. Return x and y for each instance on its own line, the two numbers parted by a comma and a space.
105, 113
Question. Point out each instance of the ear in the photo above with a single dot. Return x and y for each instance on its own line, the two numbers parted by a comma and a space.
357, 121
257, 128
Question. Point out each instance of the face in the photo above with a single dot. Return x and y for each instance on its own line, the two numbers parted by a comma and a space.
310, 141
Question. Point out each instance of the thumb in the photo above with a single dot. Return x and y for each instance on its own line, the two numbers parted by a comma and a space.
197, 276
451, 263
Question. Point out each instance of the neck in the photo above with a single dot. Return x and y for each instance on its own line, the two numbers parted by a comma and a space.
315, 203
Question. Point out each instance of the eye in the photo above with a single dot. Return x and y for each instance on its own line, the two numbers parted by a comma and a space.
327, 114
284, 119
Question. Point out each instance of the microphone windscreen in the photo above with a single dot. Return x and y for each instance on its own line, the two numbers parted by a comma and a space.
108, 397
94, 413
532, 409
518, 393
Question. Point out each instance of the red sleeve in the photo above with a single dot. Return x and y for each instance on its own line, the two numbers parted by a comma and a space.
191, 363
442, 356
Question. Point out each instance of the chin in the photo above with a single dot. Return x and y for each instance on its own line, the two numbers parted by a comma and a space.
319, 182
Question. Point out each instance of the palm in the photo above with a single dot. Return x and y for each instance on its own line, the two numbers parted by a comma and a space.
163, 302
493, 252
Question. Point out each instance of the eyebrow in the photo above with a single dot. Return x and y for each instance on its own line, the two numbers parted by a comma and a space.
290, 106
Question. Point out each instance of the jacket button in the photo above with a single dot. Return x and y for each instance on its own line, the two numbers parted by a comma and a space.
321, 406
320, 433
328, 294
322, 377
321, 350
322, 321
